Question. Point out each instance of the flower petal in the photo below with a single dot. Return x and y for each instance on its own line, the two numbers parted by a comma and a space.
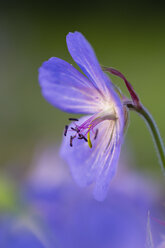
97, 163
77, 158
84, 55
107, 172
109, 158
66, 88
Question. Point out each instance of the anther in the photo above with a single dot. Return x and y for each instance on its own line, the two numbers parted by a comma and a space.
71, 140
66, 129
81, 136
73, 119
96, 133
75, 129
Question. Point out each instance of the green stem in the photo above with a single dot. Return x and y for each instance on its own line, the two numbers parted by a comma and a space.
154, 131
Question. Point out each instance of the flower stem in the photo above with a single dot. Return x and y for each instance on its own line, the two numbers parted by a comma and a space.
153, 129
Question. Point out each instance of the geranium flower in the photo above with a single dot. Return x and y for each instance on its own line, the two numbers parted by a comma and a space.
54, 213
91, 145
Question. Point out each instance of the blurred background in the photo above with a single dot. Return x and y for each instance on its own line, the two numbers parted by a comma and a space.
129, 36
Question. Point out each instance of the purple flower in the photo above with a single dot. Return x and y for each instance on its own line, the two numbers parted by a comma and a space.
92, 149
24, 231
77, 220
149, 239
56, 214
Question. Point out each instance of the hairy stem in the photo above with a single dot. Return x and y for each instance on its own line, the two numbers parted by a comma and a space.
153, 129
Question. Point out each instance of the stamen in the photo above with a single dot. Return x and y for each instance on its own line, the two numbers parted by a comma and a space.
82, 132
73, 119
75, 129
81, 136
66, 129
96, 133
71, 140
89, 140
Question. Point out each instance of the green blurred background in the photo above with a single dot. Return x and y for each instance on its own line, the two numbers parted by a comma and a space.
129, 36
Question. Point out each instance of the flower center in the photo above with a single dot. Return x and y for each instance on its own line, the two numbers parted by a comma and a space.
83, 130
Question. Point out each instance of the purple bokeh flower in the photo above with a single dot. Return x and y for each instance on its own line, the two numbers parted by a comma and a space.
76, 220
55, 213
93, 148
24, 230
150, 242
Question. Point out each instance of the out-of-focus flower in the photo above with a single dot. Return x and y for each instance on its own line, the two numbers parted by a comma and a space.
162, 245
149, 238
25, 230
77, 220
93, 148
55, 213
